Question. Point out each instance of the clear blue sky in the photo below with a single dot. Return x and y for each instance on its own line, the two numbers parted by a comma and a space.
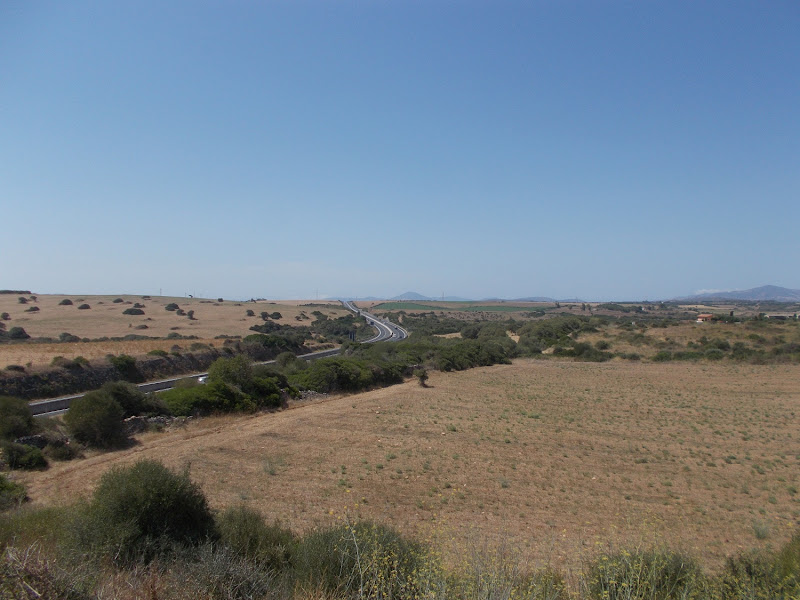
602, 150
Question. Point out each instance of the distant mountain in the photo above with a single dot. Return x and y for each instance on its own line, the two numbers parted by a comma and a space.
411, 296
534, 299
765, 293
414, 296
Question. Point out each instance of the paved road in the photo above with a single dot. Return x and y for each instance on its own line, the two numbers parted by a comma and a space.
387, 331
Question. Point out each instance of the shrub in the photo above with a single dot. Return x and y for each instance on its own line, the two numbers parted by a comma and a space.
5, 316
32, 309
84, 307
17, 368
186, 401
18, 333
171, 307
131, 399
22, 456
16, 419
422, 376
11, 494
652, 574
96, 419
362, 560
244, 531
22, 300
68, 337
143, 511
219, 300
126, 367
65, 302
133, 311
250, 313
61, 449
714, 354
158, 352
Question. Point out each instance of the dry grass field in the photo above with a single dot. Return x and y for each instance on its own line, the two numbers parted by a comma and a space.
556, 458
105, 319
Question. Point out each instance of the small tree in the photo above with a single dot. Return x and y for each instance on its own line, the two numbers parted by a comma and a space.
130, 398
65, 302
18, 333
22, 300
133, 311
171, 307
190, 314
250, 313
16, 419
96, 419
422, 376
140, 512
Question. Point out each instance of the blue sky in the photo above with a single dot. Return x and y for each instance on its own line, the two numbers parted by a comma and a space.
601, 150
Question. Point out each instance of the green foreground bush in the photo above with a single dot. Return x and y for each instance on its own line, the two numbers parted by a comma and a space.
141, 512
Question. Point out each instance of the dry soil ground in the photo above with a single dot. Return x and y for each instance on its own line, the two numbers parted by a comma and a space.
105, 319
554, 457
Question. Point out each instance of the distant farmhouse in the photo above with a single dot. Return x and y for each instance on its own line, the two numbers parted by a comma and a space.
704, 318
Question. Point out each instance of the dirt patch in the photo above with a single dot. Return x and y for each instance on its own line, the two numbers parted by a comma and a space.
555, 457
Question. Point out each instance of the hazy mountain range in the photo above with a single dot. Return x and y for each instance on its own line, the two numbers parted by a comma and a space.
765, 293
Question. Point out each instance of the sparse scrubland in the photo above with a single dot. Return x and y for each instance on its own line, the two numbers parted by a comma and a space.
578, 455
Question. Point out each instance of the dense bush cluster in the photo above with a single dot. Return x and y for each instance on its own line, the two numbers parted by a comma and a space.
233, 385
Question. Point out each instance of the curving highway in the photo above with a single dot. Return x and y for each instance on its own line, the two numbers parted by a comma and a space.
387, 332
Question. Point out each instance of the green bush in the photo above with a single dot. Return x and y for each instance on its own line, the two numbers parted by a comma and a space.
18, 333
651, 574
11, 494
132, 400
126, 367
364, 560
141, 512
68, 337
244, 531
65, 302
96, 419
186, 401
22, 456
133, 311
84, 307
16, 419
60, 449
158, 352
171, 307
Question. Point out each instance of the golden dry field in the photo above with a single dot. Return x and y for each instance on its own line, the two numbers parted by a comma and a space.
556, 458
105, 319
